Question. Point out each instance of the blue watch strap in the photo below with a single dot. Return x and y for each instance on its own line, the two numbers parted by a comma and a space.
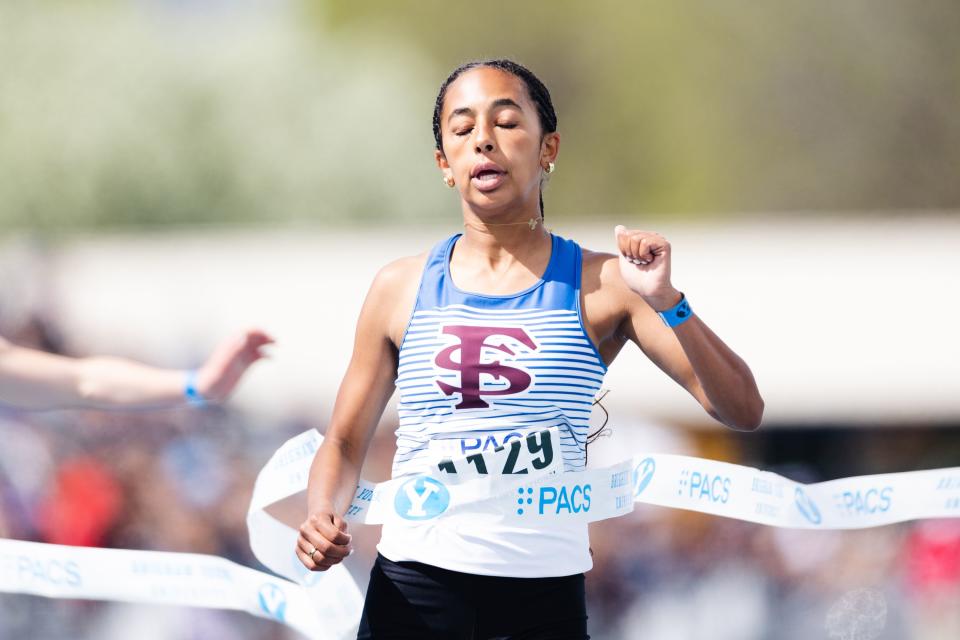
190, 392
678, 313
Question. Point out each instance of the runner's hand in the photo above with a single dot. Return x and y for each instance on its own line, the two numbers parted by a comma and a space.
323, 541
220, 374
645, 266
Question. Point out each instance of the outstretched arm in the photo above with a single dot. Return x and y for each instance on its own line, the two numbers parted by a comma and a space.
690, 352
33, 379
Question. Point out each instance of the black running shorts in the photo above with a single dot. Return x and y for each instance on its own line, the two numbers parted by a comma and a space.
415, 601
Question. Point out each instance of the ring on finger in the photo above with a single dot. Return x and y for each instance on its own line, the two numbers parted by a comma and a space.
312, 553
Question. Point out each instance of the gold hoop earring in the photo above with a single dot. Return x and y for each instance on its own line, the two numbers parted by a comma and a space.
550, 168
450, 182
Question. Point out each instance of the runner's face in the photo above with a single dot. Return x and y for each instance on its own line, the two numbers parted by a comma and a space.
488, 117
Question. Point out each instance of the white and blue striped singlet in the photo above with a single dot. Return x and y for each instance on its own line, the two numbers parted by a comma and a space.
476, 371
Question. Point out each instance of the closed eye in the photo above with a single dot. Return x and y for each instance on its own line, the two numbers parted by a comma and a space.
504, 125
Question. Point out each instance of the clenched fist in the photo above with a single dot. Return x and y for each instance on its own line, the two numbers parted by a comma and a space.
323, 541
645, 266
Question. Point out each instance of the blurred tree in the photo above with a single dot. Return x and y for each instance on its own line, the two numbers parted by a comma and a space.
319, 110
122, 116
699, 106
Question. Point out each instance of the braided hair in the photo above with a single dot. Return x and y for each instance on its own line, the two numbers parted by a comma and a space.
535, 88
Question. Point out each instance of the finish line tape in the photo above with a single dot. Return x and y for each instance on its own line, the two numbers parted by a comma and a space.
155, 577
521, 482
537, 489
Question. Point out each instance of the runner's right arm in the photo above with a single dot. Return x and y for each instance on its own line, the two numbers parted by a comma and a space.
364, 392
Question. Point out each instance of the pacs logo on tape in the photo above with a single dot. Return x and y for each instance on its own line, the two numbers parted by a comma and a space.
594, 494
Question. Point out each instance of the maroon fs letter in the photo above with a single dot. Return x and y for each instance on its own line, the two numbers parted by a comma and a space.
472, 341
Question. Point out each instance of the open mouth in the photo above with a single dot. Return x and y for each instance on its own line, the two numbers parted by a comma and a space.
488, 178
488, 175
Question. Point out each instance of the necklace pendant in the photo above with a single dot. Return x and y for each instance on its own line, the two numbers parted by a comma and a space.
533, 224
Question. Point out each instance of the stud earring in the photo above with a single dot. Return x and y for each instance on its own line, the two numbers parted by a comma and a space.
550, 167
449, 181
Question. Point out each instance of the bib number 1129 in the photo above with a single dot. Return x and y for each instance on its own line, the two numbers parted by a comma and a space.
537, 450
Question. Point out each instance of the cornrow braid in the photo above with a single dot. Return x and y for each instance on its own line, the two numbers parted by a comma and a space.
535, 88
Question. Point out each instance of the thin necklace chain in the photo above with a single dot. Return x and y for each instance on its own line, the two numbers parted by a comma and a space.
532, 223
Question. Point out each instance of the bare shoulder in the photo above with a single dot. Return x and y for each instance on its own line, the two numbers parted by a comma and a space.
400, 272
601, 273
605, 300
394, 293
608, 302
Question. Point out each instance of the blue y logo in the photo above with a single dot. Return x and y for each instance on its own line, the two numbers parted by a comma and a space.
273, 601
421, 498
643, 474
806, 506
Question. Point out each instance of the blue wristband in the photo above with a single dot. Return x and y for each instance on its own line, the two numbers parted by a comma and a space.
190, 392
678, 313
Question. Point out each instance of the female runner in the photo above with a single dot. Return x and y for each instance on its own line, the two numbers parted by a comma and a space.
497, 331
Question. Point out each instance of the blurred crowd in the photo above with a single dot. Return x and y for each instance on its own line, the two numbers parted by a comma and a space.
686, 576
180, 480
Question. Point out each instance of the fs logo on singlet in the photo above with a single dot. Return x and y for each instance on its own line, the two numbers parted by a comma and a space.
473, 341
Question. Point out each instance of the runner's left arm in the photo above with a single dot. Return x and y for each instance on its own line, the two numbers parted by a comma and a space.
690, 353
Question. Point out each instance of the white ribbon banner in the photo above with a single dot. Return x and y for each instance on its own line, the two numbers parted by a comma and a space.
154, 577
538, 489
523, 481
